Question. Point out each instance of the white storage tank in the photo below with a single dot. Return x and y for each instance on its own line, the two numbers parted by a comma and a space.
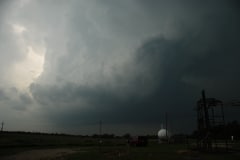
163, 135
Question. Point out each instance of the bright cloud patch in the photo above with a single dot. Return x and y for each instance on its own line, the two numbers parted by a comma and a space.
30, 66
28, 70
18, 29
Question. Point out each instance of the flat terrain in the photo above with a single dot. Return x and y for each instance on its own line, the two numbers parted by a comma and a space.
166, 152
40, 154
22, 146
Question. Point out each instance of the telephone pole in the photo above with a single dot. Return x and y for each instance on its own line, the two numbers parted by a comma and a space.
100, 136
166, 116
2, 126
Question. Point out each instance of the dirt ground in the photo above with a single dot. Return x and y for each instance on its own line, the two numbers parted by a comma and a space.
41, 154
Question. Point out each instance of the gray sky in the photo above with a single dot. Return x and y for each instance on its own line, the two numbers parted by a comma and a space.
66, 64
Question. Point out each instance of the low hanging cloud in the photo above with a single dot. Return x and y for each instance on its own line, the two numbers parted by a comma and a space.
123, 62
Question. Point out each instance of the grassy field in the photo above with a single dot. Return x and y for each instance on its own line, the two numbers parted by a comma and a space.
152, 152
87, 148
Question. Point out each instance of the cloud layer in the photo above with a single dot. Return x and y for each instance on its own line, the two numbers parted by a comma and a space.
65, 65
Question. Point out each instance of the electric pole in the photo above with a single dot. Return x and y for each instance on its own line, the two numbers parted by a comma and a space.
2, 126
100, 136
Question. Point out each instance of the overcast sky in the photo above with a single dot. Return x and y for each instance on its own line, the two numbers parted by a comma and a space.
67, 64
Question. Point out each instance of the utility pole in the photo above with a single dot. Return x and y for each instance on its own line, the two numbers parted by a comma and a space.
2, 126
208, 142
205, 110
100, 128
166, 116
100, 135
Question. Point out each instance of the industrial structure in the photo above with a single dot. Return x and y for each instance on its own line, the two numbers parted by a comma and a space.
211, 124
163, 135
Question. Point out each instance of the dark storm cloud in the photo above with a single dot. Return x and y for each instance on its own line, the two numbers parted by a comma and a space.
2, 95
204, 56
170, 63
13, 99
129, 62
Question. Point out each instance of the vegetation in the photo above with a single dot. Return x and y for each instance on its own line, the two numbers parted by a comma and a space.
112, 147
152, 152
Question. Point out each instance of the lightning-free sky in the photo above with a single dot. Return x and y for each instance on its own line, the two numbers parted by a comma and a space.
67, 64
